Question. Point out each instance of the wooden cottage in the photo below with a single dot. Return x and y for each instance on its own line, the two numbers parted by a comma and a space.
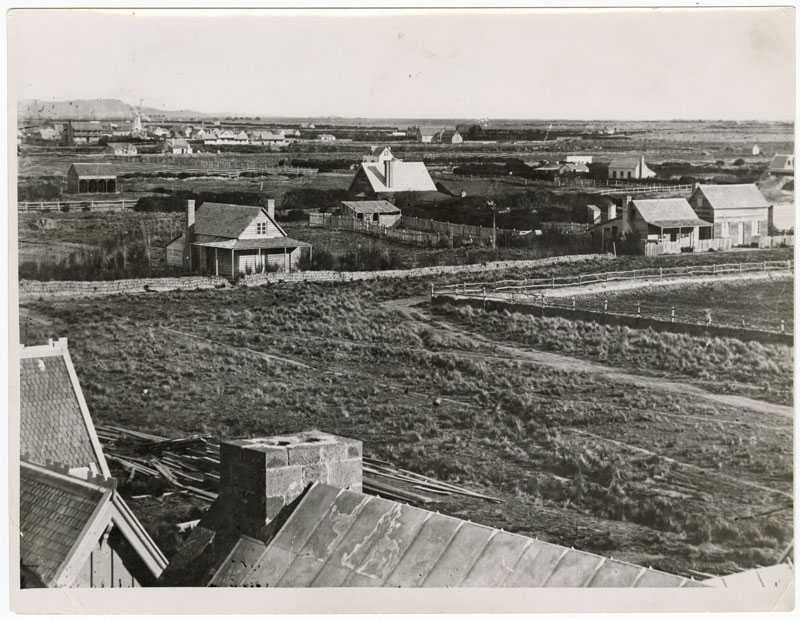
75, 529
232, 239
393, 176
377, 154
669, 223
451, 136
91, 178
632, 167
782, 165
177, 146
738, 212
378, 212
120, 149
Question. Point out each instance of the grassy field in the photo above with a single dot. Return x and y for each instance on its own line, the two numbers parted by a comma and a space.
579, 459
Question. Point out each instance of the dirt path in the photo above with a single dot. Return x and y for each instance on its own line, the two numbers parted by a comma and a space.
574, 364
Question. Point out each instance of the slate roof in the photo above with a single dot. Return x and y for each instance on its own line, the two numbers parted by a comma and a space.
335, 538
55, 425
733, 196
226, 220
273, 242
94, 170
668, 213
54, 511
407, 176
372, 206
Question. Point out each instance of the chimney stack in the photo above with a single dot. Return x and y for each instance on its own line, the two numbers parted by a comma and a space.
271, 208
187, 236
626, 211
641, 166
388, 168
612, 212
260, 476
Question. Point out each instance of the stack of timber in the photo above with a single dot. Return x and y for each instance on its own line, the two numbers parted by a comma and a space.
191, 464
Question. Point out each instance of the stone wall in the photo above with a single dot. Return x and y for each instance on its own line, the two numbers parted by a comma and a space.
29, 288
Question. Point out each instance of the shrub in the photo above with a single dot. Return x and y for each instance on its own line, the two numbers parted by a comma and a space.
739, 162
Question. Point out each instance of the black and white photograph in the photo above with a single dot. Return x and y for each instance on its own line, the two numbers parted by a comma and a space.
439, 301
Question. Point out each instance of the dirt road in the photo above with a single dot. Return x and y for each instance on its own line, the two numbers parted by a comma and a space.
575, 364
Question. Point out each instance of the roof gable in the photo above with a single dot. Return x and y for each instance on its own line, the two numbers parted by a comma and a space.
228, 220
98, 170
55, 424
407, 176
625, 162
733, 196
372, 206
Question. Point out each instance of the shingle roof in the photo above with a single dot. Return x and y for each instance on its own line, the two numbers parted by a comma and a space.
372, 206
734, 196
54, 510
408, 176
668, 212
336, 538
94, 170
226, 220
54, 424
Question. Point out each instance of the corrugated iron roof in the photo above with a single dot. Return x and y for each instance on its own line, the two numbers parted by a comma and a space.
777, 577
407, 176
94, 170
663, 211
54, 427
226, 220
336, 538
372, 206
54, 510
733, 196
265, 243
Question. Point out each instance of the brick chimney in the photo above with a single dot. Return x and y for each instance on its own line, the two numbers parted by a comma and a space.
271, 209
260, 476
612, 212
388, 168
187, 238
641, 166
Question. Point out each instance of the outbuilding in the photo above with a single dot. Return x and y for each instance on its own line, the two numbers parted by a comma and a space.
91, 178
631, 167
378, 212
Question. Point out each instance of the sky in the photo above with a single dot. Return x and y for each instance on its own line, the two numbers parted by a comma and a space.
626, 64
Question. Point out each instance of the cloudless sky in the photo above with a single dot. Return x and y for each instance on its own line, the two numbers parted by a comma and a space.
580, 64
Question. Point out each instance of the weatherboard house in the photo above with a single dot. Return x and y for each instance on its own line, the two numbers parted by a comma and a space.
737, 212
75, 528
385, 179
292, 514
633, 167
232, 239
378, 212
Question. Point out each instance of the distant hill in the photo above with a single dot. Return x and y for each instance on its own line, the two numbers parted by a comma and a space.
100, 109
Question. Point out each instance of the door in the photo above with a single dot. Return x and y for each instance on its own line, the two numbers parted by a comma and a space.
740, 234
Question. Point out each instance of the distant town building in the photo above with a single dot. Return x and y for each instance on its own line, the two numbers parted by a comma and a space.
159, 132
393, 176
326, 137
782, 164
377, 154
378, 212
120, 149
84, 132
755, 150
427, 135
231, 239
450, 136
269, 138
75, 529
632, 167
584, 159
738, 212
91, 178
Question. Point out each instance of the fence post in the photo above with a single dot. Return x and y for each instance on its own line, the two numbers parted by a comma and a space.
783, 327
713, 269
573, 304
660, 272
639, 309
672, 315
554, 282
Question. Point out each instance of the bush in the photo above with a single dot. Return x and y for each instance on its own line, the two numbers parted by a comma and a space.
738, 162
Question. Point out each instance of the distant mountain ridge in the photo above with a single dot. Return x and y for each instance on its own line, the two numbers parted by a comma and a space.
100, 109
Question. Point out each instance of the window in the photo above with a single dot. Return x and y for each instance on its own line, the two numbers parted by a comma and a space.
261, 227
725, 229
754, 231
629, 173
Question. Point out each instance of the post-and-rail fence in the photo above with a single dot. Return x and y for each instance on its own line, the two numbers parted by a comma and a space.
530, 292
76, 205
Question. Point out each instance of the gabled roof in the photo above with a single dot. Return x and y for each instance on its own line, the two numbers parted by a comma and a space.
341, 538
625, 162
178, 143
575, 167
430, 131
62, 519
733, 196
372, 206
55, 424
668, 213
408, 176
782, 162
94, 170
227, 220
118, 145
